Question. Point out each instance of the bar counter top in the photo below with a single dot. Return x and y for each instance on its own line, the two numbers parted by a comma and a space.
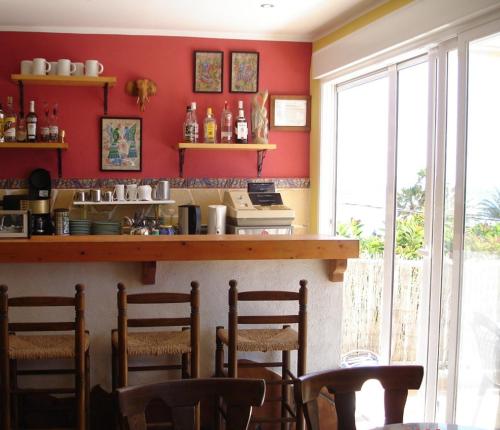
149, 249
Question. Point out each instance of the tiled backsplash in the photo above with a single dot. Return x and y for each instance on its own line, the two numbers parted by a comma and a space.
295, 194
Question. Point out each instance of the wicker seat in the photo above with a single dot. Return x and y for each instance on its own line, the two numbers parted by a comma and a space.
126, 344
16, 347
267, 339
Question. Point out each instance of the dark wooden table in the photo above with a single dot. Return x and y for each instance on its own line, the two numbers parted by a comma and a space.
425, 426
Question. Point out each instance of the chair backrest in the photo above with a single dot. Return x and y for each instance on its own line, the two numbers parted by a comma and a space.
77, 302
266, 296
343, 384
193, 320
182, 397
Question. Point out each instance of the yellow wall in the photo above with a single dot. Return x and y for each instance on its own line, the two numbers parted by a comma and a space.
360, 22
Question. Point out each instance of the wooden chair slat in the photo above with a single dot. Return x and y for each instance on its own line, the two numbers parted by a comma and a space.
268, 319
158, 322
150, 298
42, 326
41, 301
268, 295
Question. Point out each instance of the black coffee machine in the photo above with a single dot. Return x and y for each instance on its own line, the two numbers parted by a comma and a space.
39, 190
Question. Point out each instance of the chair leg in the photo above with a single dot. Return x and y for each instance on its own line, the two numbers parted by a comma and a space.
114, 368
5, 391
219, 355
87, 388
14, 397
184, 366
284, 388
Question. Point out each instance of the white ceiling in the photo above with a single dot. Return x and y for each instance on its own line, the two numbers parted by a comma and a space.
294, 20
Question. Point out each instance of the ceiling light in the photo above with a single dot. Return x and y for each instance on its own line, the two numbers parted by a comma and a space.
266, 5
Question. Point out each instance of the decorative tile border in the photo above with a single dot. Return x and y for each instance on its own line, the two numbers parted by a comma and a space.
174, 182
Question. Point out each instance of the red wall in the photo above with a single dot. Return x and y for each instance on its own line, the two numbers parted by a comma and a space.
284, 69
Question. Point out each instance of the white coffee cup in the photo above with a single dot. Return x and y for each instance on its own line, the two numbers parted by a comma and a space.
26, 67
93, 68
40, 66
65, 67
53, 68
119, 193
79, 69
131, 193
144, 192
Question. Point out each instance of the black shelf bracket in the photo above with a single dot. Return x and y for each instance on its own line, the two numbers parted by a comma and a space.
261, 154
21, 97
182, 153
106, 91
59, 163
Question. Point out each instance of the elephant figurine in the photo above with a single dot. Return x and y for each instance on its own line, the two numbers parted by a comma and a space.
141, 88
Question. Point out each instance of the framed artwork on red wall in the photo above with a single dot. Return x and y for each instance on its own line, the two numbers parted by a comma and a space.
121, 144
208, 71
244, 72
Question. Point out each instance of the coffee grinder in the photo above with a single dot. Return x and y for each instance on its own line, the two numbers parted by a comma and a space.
39, 202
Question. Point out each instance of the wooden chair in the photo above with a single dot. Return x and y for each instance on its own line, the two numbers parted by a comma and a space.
16, 347
183, 396
283, 339
126, 344
343, 384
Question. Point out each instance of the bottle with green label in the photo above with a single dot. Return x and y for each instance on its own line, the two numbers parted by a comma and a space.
210, 127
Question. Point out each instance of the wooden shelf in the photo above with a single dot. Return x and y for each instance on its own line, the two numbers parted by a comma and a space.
230, 146
91, 81
149, 249
33, 145
260, 148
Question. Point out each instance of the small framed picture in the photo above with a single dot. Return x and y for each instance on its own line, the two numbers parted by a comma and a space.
290, 113
121, 144
208, 71
244, 72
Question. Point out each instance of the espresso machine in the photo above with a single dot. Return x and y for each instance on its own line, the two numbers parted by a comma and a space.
39, 189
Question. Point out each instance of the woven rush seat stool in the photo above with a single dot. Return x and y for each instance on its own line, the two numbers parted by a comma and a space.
184, 342
283, 339
16, 347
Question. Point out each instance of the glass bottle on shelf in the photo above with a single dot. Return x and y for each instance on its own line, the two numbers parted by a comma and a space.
44, 126
226, 125
53, 125
188, 127
31, 122
9, 122
196, 128
21, 133
210, 127
241, 125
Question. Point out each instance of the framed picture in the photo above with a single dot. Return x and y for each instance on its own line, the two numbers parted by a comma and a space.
244, 72
290, 113
121, 144
208, 71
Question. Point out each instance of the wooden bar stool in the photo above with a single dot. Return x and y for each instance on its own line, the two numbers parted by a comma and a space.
283, 339
126, 344
16, 347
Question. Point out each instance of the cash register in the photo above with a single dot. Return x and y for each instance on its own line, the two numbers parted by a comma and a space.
259, 210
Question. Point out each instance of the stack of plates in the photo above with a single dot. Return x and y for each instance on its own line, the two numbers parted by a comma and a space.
79, 226
105, 227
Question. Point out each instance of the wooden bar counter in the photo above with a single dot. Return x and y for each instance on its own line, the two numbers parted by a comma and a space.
150, 249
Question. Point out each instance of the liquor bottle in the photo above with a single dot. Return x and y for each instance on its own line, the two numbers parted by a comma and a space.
210, 127
44, 126
188, 127
195, 122
226, 125
241, 125
53, 125
9, 122
31, 121
1, 123
21, 133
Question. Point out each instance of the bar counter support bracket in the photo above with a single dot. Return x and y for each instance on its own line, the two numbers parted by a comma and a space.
148, 272
336, 269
